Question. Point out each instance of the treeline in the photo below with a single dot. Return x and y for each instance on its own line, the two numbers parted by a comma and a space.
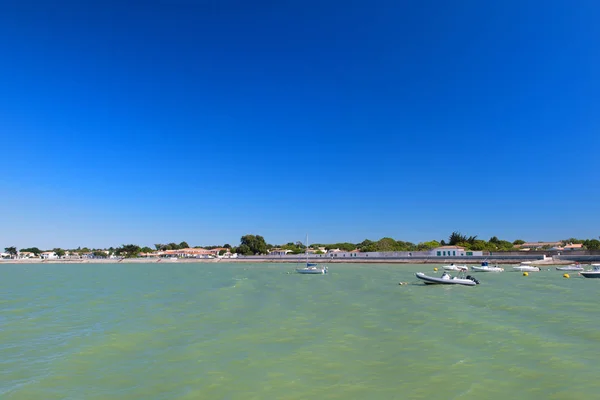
256, 244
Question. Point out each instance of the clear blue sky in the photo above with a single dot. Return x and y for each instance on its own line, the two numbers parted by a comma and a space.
147, 122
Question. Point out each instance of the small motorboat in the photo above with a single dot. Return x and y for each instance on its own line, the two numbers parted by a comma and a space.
453, 267
486, 268
572, 267
446, 279
526, 266
592, 273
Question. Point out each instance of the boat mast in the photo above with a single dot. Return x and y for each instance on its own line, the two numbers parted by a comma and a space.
306, 249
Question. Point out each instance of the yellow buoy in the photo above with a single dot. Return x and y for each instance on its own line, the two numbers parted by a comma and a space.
435, 269
525, 273
566, 276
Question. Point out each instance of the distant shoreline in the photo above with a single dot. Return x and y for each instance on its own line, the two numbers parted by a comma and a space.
279, 261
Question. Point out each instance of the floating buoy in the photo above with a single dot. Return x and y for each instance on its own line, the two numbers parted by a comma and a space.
435, 269
566, 276
525, 273
403, 283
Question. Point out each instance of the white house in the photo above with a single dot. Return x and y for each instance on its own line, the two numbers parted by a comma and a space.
25, 254
49, 255
454, 251
279, 252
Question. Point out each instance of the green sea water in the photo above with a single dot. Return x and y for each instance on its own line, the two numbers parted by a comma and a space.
256, 331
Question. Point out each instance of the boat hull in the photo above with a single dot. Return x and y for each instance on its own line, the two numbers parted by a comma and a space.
590, 274
432, 280
455, 268
569, 268
311, 271
526, 269
487, 269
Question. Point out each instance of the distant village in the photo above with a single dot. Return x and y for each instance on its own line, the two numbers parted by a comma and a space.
278, 252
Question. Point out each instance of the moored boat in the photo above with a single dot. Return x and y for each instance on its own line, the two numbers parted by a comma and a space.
572, 267
446, 279
453, 267
592, 273
526, 266
311, 268
486, 268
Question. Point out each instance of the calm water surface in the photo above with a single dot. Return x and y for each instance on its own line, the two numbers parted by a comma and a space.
253, 331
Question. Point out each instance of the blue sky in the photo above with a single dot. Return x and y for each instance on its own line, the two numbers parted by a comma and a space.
204, 121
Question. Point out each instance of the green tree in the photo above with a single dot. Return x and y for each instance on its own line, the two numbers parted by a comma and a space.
386, 244
406, 246
184, 245
480, 245
12, 250
424, 246
244, 249
146, 249
296, 248
572, 240
518, 242
505, 245
128, 250
99, 253
59, 252
222, 251
592, 244
33, 250
456, 237
364, 245
345, 246
253, 244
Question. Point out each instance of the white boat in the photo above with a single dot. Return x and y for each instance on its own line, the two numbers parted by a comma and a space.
592, 273
453, 267
311, 268
318, 270
526, 266
446, 279
486, 268
572, 267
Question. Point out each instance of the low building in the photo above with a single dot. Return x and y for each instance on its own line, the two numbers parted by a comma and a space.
279, 252
538, 245
573, 246
454, 251
190, 253
49, 255
26, 255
